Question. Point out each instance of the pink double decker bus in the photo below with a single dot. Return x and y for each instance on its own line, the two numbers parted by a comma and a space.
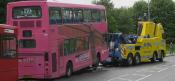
57, 39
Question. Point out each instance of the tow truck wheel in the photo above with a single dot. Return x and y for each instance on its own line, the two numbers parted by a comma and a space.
161, 57
154, 58
130, 60
137, 59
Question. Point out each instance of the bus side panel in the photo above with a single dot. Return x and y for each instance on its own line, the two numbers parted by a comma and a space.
8, 70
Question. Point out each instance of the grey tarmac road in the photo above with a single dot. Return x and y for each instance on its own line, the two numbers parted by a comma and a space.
158, 71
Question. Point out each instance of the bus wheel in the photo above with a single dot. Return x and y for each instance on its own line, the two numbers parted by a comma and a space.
98, 59
130, 60
69, 69
153, 59
137, 59
161, 57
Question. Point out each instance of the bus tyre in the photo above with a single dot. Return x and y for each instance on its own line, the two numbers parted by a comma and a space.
98, 60
69, 69
153, 59
137, 59
161, 57
96, 65
130, 60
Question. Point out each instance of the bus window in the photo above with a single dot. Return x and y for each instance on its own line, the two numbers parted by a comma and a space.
82, 44
67, 15
86, 43
78, 15
27, 43
103, 15
7, 46
66, 47
69, 46
55, 15
26, 12
87, 15
72, 45
95, 15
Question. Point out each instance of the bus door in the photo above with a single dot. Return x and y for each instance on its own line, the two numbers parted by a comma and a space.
8, 61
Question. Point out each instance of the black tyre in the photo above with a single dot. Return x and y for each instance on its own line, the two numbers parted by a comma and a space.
137, 59
130, 60
69, 69
154, 58
161, 57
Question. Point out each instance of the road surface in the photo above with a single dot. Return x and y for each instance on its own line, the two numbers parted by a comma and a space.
158, 71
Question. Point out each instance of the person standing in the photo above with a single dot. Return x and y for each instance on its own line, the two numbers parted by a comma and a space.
171, 48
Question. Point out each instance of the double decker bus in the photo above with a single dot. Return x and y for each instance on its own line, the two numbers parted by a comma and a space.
8, 53
57, 39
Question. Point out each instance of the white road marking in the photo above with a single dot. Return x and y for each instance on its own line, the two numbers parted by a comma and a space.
124, 79
146, 70
151, 70
118, 77
139, 75
143, 78
162, 69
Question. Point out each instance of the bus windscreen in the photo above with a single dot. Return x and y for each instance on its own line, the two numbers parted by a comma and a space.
26, 12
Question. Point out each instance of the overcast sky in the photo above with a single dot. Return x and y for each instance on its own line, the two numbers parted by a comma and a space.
117, 3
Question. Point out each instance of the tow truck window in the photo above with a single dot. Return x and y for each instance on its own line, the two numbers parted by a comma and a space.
139, 30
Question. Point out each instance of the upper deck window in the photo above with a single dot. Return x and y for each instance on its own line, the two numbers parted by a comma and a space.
68, 15
95, 15
26, 12
103, 15
55, 15
78, 15
87, 15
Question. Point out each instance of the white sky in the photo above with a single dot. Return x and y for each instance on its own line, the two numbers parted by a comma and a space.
117, 3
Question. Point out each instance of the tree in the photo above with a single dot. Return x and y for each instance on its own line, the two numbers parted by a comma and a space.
139, 8
163, 11
124, 20
110, 15
3, 10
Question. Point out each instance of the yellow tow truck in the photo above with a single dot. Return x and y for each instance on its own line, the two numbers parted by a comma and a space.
148, 45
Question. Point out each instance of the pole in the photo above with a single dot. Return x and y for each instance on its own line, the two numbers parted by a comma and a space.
149, 14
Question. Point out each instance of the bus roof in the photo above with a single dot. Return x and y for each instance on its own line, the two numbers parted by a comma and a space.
60, 4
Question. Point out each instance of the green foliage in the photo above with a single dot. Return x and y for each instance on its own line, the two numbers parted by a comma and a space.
3, 4
125, 19
110, 15
163, 11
